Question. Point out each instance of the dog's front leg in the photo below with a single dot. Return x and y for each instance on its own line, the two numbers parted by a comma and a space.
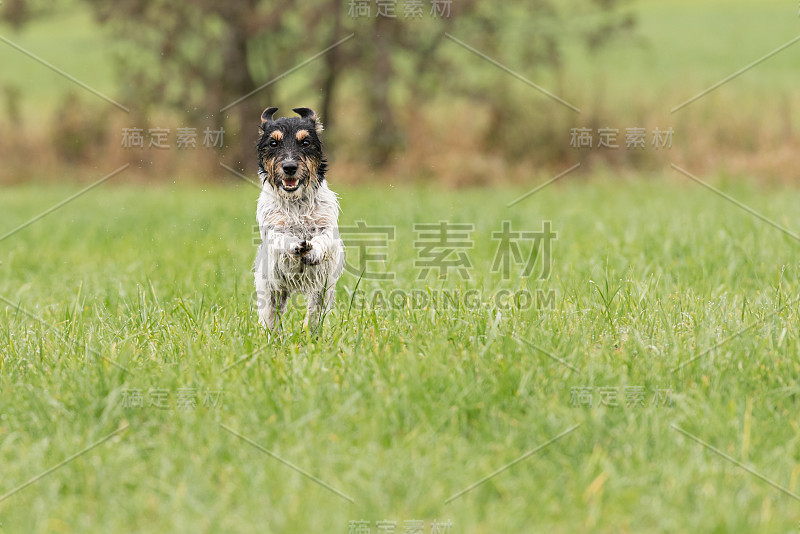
270, 293
320, 247
286, 243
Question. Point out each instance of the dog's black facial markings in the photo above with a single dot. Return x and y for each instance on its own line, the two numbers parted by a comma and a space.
287, 142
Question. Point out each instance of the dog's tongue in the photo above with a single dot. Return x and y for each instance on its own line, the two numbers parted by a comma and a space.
290, 182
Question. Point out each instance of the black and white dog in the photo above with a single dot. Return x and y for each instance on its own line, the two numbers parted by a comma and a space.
298, 220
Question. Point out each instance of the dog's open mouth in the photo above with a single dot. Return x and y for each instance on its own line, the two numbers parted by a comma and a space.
290, 184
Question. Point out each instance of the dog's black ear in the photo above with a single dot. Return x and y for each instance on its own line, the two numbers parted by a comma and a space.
267, 116
310, 114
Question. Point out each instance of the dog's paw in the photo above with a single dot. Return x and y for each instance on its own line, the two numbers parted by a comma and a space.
299, 248
312, 257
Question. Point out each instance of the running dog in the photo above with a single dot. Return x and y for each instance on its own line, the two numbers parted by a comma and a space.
297, 214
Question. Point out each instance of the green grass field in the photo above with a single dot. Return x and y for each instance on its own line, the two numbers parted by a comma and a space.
649, 383
401, 407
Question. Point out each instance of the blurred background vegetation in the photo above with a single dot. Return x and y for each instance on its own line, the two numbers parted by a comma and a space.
401, 101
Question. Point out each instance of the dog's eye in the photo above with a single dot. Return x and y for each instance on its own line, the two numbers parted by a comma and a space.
273, 143
305, 142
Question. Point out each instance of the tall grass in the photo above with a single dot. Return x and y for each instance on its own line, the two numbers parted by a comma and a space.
401, 407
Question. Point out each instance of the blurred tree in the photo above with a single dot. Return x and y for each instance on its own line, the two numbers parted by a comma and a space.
402, 61
18, 12
81, 130
200, 56
195, 57
11, 96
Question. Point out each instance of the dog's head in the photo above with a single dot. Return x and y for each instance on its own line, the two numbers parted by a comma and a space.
290, 154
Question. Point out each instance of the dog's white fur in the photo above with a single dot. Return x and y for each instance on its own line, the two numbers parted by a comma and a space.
286, 220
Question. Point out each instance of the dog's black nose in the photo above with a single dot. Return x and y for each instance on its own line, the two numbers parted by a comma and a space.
290, 167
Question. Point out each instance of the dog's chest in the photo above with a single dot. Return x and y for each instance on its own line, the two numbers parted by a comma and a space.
302, 225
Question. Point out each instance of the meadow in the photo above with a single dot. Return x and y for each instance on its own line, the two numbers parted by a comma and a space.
642, 378
674, 320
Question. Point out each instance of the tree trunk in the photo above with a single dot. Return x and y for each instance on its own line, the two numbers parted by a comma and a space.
241, 121
331, 67
385, 139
